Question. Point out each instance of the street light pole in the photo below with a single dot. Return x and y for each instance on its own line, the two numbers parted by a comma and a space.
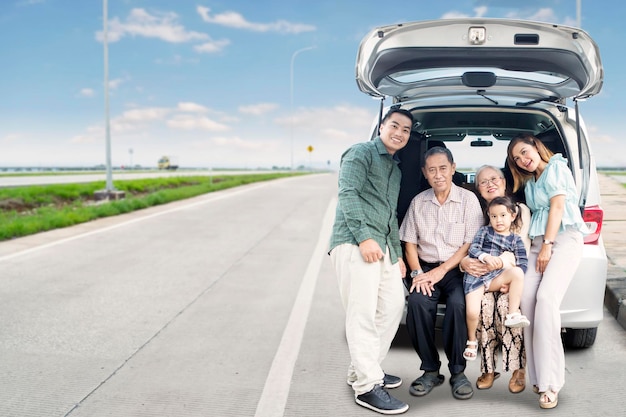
109, 176
109, 193
293, 57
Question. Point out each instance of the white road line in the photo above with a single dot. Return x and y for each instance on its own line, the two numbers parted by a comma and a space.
276, 390
211, 198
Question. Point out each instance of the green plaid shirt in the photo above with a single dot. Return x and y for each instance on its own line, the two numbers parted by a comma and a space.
369, 183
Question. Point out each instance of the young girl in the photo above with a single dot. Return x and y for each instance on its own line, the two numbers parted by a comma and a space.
556, 230
489, 243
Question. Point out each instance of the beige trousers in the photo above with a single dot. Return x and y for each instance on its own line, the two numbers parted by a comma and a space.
541, 302
373, 297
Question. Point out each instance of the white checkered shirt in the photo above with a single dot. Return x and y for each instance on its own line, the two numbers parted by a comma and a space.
440, 230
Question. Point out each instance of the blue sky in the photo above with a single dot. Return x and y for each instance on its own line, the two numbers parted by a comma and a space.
209, 81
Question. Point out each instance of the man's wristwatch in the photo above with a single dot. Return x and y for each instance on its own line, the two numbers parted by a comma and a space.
548, 242
416, 272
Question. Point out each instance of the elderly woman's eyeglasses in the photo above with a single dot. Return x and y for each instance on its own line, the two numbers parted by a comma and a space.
494, 181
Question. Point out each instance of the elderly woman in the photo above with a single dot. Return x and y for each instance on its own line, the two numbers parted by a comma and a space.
490, 183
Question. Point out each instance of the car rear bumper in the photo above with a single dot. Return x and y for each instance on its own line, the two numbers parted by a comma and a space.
583, 305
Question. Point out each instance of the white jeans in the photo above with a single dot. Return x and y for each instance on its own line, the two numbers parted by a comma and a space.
541, 302
373, 297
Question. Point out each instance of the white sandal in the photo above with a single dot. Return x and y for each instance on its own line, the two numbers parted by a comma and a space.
516, 320
471, 353
548, 399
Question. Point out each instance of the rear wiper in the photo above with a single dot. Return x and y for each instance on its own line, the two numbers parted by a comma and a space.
482, 94
551, 99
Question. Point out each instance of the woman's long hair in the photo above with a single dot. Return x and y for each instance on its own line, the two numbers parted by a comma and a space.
520, 176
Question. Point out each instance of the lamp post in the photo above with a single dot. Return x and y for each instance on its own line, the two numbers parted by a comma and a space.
109, 176
109, 193
293, 57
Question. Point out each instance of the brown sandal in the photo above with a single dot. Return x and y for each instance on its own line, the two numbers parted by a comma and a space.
485, 381
517, 383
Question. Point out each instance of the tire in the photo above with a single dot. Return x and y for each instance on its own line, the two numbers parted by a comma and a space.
579, 338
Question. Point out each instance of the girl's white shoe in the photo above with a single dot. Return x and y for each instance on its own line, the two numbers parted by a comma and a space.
516, 320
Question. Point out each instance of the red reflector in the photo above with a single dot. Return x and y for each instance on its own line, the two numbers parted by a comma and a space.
592, 217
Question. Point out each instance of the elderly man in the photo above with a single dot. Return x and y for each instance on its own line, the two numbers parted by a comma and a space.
437, 231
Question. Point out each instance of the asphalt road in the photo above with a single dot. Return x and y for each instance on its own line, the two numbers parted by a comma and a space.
221, 305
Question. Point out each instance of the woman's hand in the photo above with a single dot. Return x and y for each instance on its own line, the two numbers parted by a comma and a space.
555, 216
543, 258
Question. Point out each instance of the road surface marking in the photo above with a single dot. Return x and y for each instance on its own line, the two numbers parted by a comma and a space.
278, 382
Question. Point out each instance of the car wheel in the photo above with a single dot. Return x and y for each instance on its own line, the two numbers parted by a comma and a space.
579, 338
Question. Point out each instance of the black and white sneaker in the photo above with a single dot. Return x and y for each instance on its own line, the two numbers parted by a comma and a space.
389, 381
379, 400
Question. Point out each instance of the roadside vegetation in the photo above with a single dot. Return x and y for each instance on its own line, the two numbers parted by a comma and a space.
33, 209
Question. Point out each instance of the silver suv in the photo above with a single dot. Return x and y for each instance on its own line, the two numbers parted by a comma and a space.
473, 84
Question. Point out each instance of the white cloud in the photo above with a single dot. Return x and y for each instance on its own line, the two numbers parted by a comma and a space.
205, 137
192, 107
92, 134
354, 121
212, 46
175, 60
115, 83
87, 92
237, 21
478, 12
82, 139
544, 14
11, 137
145, 114
454, 15
135, 119
163, 26
340, 135
188, 122
608, 149
238, 143
330, 130
29, 2
258, 109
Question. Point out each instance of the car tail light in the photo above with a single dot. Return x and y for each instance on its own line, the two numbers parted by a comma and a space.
592, 217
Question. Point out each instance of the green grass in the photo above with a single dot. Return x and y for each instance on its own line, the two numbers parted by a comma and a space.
29, 210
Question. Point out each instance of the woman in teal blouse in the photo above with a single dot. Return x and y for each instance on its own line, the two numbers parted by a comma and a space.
556, 230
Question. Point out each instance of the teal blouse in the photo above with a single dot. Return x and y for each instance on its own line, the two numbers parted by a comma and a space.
556, 179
